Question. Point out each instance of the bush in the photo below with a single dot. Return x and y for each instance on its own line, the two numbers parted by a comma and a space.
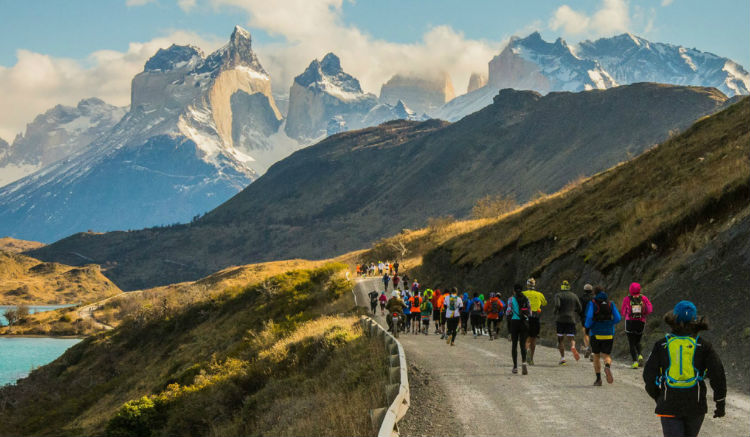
493, 206
136, 418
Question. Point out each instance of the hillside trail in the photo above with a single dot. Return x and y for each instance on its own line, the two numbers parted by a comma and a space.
551, 400
86, 312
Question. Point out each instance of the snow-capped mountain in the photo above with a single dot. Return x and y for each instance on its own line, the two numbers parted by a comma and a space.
534, 64
198, 131
56, 134
421, 93
324, 100
383, 112
629, 59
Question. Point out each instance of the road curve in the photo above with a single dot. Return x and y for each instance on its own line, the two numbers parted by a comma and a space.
550, 401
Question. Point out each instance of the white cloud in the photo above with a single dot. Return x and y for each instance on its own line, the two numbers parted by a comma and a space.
312, 28
137, 2
666, 2
612, 17
186, 5
38, 82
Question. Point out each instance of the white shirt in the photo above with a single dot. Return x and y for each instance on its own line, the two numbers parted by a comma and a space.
446, 304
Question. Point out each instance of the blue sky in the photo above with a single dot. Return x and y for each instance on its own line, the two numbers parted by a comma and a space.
55, 51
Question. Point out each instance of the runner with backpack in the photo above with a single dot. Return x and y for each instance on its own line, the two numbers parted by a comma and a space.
386, 280
566, 308
373, 300
383, 300
452, 304
601, 318
635, 307
537, 301
494, 309
518, 312
476, 308
584, 299
437, 302
416, 313
465, 311
395, 280
426, 311
407, 311
675, 374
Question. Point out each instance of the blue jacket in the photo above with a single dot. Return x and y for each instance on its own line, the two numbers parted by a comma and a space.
471, 306
606, 327
466, 308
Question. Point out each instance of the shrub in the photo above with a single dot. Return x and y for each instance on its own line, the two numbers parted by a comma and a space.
493, 206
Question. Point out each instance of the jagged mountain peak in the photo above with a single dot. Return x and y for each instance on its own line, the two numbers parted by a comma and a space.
174, 56
331, 64
327, 74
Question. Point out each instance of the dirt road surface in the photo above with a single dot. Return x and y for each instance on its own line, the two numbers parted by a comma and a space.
485, 398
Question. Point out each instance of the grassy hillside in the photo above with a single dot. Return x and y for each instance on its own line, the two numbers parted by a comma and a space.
275, 357
354, 188
25, 280
14, 245
676, 219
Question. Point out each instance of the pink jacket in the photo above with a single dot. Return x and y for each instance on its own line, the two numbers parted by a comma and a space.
635, 290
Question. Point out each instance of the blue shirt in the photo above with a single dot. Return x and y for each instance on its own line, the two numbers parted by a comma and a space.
604, 327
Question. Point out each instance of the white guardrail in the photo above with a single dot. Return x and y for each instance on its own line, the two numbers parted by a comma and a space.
397, 391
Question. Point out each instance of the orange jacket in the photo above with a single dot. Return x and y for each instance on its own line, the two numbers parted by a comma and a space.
415, 302
488, 308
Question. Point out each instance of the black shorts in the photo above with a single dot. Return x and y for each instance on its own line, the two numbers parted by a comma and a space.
564, 328
382, 305
436, 315
426, 321
601, 346
416, 316
534, 327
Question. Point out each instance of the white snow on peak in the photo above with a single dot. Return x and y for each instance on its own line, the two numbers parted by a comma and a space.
239, 29
252, 73
688, 60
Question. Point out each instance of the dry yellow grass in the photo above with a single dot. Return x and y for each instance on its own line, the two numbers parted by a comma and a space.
8, 244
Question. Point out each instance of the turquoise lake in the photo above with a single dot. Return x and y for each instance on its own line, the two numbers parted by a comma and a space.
18, 355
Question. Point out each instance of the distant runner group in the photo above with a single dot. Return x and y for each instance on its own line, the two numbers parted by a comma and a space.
674, 373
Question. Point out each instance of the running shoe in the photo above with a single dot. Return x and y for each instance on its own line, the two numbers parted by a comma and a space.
447, 340
587, 352
524, 370
635, 365
608, 372
576, 355
640, 360
531, 361
515, 370
598, 383
452, 344
562, 362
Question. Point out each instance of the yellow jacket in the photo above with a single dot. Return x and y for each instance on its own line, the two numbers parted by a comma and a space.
536, 300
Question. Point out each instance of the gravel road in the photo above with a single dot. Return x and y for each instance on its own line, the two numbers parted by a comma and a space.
471, 391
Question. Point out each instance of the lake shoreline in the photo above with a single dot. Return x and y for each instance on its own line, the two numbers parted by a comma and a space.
80, 337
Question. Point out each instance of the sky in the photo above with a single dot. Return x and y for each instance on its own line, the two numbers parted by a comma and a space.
54, 52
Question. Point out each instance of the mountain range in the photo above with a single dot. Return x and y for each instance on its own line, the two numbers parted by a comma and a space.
535, 64
355, 187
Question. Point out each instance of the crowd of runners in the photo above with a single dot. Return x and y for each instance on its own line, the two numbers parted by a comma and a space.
674, 373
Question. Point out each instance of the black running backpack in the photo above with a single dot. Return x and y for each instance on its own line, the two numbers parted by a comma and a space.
602, 310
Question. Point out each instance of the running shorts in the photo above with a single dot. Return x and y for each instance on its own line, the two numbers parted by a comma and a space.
436, 315
564, 328
634, 326
601, 346
534, 327
416, 316
426, 321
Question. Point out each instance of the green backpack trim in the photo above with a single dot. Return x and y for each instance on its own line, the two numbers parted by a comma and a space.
681, 371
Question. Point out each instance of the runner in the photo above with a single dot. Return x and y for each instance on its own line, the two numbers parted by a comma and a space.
483, 330
635, 307
476, 309
416, 313
426, 311
465, 314
414, 286
407, 310
584, 299
442, 314
395, 270
518, 312
676, 369
381, 267
452, 304
383, 300
373, 300
493, 308
436, 305
566, 308
386, 280
601, 318
405, 280
395, 281
537, 301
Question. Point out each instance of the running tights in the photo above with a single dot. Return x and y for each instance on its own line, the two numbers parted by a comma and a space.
492, 326
681, 426
518, 333
476, 324
452, 327
635, 344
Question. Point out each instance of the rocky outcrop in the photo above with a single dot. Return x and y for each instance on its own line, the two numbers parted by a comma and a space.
476, 81
423, 94
324, 100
